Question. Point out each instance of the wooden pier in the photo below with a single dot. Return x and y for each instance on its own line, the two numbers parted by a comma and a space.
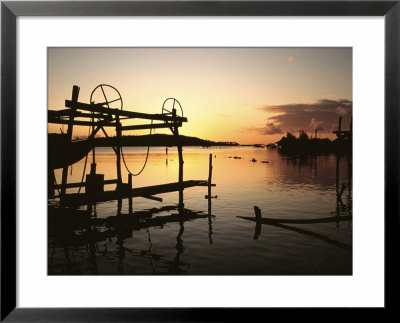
76, 199
63, 151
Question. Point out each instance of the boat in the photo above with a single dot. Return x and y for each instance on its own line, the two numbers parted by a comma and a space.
64, 153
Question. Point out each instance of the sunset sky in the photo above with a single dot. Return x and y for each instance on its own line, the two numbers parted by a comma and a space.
247, 95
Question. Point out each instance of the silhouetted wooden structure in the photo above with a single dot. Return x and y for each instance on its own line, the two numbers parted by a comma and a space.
63, 151
344, 134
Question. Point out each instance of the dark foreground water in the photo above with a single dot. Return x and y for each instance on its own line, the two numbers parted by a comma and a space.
216, 241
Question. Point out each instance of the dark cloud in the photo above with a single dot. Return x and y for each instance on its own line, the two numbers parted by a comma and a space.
269, 129
322, 115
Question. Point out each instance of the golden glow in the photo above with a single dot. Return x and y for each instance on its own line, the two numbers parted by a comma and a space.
222, 90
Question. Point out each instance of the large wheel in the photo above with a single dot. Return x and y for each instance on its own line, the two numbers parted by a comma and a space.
169, 105
106, 95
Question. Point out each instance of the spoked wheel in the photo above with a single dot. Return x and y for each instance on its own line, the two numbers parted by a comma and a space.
169, 106
106, 95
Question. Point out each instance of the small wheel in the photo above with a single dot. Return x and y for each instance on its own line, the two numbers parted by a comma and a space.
169, 105
107, 96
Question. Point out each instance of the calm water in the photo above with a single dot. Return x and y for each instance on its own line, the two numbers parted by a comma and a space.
222, 243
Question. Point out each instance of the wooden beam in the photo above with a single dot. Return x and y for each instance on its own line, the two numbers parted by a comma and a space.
81, 123
67, 112
124, 113
82, 199
152, 126
73, 185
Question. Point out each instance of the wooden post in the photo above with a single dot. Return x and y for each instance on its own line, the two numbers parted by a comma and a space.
93, 168
179, 146
257, 231
130, 193
75, 95
257, 211
209, 175
118, 152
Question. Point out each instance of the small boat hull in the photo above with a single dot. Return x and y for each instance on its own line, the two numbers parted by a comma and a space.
62, 153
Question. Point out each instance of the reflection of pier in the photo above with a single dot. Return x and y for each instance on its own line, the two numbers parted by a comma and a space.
340, 189
119, 228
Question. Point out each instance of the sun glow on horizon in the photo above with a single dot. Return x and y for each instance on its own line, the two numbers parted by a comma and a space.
246, 95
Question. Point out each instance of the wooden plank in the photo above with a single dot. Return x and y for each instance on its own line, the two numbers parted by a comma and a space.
68, 112
152, 126
81, 199
73, 185
82, 123
124, 113
298, 221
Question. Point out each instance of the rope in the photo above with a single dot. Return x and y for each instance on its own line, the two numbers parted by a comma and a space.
145, 162
84, 167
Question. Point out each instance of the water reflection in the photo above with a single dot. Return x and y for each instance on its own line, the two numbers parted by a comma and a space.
208, 238
343, 209
86, 231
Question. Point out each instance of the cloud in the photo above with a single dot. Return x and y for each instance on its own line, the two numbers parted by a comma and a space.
341, 111
321, 115
269, 129
290, 59
318, 125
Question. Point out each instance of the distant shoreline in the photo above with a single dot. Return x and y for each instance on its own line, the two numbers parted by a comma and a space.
160, 140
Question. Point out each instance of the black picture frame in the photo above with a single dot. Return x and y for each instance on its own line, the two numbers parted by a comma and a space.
11, 10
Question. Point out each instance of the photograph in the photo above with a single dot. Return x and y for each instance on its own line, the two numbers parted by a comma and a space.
199, 161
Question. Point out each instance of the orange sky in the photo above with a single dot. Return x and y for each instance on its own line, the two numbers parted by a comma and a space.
247, 95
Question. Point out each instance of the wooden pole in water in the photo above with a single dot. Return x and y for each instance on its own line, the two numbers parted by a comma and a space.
75, 95
257, 231
118, 152
209, 176
179, 146
209, 201
130, 193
